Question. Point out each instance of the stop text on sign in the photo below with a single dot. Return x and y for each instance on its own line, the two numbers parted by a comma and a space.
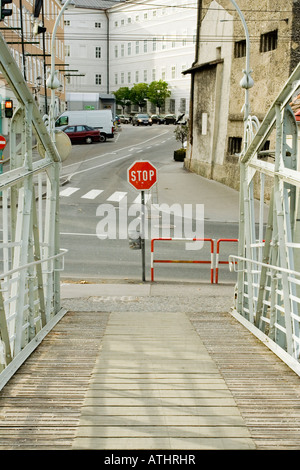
142, 175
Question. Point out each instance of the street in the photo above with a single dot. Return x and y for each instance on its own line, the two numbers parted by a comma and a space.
95, 188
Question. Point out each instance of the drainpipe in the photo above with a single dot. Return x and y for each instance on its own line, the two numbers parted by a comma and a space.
107, 51
191, 111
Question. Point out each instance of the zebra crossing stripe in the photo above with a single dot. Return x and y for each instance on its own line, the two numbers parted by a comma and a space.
138, 199
92, 194
68, 191
117, 196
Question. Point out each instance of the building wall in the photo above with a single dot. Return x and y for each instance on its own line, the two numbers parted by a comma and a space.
271, 68
86, 50
33, 65
147, 41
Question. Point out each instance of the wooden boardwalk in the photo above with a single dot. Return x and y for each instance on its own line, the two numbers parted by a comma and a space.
67, 394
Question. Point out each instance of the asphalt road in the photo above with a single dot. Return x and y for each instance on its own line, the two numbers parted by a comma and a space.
95, 193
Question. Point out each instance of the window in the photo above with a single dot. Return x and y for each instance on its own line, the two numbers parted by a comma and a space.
129, 77
98, 79
145, 76
268, 41
116, 79
240, 48
153, 75
128, 20
97, 25
145, 45
67, 50
173, 72
154, 44
116, 24
234, 145
129, 48
116, 52
145, 16
122, 50
163, 73
98, 52
137, 47
122, 78
122, 22
67, 22
137, 76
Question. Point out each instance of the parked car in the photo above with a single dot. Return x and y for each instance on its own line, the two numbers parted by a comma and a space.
83, 133
124, 119
141, 119
170, 119
156, 119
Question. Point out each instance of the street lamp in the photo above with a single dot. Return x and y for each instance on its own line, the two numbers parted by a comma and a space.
247, 81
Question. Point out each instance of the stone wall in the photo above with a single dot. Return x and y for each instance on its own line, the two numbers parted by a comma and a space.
271, 69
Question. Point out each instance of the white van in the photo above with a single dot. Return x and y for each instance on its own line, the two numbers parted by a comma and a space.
101, 119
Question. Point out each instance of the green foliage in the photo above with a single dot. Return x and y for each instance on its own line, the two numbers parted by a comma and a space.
181, 133
139, 94
158, 92
123, 96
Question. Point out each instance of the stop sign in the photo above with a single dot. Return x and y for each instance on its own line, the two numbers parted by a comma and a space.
2, 142
142, 175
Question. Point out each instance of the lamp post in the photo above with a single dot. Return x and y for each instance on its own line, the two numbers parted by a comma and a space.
246, 83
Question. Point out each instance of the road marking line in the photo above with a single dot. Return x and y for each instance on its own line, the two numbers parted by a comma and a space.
92, 194
68, 191
117, 196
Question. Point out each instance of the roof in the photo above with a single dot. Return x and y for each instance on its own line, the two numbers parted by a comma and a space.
96, 4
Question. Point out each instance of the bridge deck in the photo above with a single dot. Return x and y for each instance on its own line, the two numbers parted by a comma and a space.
97, 380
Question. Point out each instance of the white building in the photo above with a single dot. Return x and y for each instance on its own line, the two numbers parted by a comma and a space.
110, 44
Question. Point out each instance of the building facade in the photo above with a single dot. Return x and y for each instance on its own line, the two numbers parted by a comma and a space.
217, 109
32, 52
131, 42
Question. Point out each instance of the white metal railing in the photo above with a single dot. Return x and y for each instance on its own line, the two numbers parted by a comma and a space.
30, 255
268, 260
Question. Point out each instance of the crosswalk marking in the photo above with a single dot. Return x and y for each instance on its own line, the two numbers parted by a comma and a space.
117, 196
92, 194
138, 199
68, 191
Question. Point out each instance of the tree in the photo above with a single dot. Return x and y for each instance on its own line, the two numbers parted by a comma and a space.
123, 97
158, 92
181, 133
139, 94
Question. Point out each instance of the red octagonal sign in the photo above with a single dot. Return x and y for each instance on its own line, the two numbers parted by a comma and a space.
142, 175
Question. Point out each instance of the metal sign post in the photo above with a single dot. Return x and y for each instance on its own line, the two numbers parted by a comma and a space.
142, 175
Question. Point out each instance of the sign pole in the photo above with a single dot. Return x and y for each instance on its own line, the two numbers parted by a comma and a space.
142, 175
143, 235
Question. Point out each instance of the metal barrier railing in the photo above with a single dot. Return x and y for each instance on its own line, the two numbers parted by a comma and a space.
211, 261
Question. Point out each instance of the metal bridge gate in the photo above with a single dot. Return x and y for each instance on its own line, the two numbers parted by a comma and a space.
30, 257
268, 261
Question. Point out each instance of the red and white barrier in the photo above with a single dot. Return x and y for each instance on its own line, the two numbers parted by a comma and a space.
211, 261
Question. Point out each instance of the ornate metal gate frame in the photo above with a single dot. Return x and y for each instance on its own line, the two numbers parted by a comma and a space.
31, 258
268, 261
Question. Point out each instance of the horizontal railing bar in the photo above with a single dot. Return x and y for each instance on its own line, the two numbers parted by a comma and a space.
33, 263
